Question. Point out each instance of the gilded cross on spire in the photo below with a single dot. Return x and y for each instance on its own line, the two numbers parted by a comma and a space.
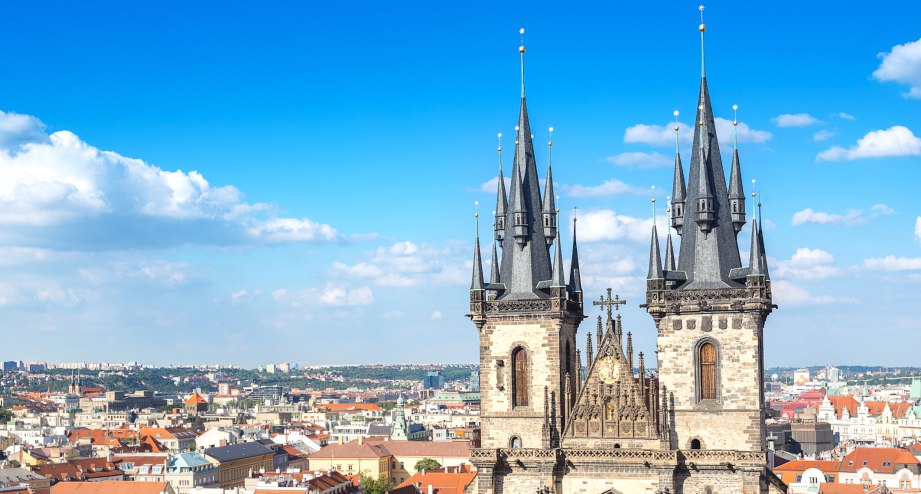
610, 303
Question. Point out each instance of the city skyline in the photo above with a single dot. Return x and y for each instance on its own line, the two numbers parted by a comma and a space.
174, 186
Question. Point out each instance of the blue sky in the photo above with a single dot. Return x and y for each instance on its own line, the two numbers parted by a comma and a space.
230, 182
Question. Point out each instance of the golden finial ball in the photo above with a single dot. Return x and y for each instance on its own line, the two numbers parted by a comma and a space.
521, 49
702, 27
676, 128
550, 144
500, 149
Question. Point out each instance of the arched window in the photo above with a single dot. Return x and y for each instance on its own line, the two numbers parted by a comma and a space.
707, 371
514, 442
519, 377
695, 443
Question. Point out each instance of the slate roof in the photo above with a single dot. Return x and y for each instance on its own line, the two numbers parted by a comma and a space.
237, 451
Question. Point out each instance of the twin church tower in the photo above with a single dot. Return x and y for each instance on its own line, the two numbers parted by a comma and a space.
697, 426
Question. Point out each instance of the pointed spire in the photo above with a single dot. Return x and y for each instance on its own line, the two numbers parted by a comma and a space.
655, 257
736, 194
501, 200
755, 255
549, 212
709, 252
575, 275
589, 354
477, 283
629, 351
494, 268
599, 332
669, 252
558, 280
764, 264
642, 372
679, 189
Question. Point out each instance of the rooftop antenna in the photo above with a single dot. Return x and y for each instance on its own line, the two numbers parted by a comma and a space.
702, 28
521, 50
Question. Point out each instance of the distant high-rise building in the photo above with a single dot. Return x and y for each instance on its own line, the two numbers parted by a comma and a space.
800, 377
473, 382
832, 374
271, 369
433, 380
10, 366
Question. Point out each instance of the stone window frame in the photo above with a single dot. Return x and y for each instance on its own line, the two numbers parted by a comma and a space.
511, 441
708, 403
512, 374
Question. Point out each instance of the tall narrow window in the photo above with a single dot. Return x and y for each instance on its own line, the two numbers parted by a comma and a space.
519, 377
707, 358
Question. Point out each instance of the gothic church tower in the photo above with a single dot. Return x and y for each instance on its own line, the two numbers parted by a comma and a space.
527, 316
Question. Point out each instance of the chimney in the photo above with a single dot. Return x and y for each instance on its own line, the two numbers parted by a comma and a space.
431, 490
361, 440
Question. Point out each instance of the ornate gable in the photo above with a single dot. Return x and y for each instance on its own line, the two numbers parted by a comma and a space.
612, 403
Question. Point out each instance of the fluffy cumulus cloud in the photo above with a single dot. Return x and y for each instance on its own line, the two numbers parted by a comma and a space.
664, 135
822, 135
59, 191
609, 188
333, 294
639, 159
492, 185
405, 264
850, 217
157, 273
807, 264
893, 263
844, 116
902, 65
790, 294
795, 120
885, 143
606, 225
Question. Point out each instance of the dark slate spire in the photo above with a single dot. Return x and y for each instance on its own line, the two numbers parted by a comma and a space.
708, 253
501, 201
679, 189
494, 272
764, 263
549, 212
756, 262
525, 256
655, 257
477, 283
575, 276
558, 280
669, 254
736, 194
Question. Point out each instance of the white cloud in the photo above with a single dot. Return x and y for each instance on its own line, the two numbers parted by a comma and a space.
405, 264
850, 217
894, 141
492, 185
657, 135
822, 135
844, 116
157, 273
786, 293
244, 296
746, 133
333, 294
436, 315
605, 224
902, 65
640, 160
664, 135
893, 263
807, 264
918, 229
60, 192
610, 188
795, 120
394, 314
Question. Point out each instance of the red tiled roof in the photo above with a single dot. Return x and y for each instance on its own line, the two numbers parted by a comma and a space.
196, 399
441, 482
125, 487
876, 459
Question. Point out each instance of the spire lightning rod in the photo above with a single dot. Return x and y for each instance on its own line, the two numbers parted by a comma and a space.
653, 205
677, 127
500, 151
521, 50
702, 28
735, 127
476, 216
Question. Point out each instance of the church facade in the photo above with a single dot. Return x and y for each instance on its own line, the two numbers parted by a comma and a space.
697, 425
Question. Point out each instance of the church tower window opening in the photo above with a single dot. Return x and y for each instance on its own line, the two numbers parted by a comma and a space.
519, 377
706, 368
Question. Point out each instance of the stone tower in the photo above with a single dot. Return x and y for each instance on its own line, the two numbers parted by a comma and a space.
710, 311
527, 315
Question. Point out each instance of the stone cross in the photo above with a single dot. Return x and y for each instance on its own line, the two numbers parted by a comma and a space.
610, 303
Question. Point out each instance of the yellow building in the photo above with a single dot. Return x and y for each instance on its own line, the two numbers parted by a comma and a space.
353, 458
236, 462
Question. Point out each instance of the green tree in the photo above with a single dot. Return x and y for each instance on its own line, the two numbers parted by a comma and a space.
5, 415
427, 464
375, 486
